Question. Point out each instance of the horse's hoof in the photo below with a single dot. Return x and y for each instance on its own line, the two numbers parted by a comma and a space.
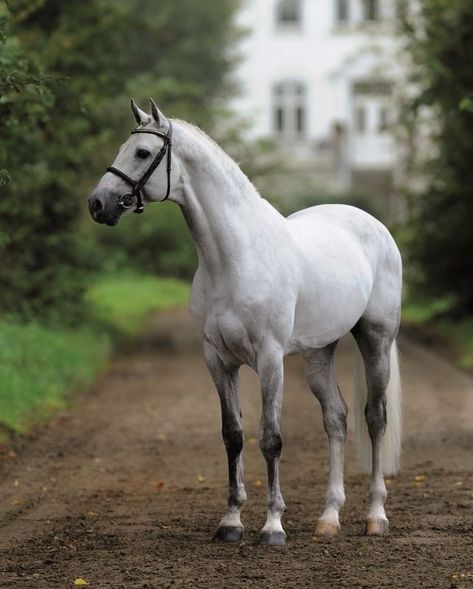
377, 527
327, 529
273, 538
229, 534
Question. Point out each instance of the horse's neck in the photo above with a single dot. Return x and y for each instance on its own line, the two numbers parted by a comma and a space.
223, 210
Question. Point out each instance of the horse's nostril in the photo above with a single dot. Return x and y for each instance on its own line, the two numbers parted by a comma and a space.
96, 206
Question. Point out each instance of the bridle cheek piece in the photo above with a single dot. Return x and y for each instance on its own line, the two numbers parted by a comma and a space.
127, 199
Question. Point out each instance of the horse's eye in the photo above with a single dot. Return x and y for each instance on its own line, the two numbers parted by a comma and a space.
143, 153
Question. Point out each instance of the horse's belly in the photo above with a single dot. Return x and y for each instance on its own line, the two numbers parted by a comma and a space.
316, 329
328, 309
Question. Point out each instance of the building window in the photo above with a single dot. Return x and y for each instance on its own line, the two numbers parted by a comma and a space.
279, 120
289, 13
373, 87
372, 107
289, 110
371, 10
343, 11
300, 120
383, 121
360, 122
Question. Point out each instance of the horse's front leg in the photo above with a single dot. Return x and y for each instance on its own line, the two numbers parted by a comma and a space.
271, 372
226, 380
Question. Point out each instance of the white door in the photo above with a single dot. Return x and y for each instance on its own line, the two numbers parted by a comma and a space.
372, 144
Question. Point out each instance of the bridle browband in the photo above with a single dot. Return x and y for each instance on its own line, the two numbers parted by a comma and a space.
127, 198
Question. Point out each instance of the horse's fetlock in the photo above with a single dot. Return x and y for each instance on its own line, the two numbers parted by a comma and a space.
336, 497
276, 505
378, 492
237, 497
241, 497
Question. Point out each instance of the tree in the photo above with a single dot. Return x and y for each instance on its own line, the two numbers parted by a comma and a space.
67, 71
440, 38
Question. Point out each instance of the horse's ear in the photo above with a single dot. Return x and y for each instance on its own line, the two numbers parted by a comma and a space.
157, 115
140, 116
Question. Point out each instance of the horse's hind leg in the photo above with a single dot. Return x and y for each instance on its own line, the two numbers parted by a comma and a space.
320, 374
375, 341
227, 383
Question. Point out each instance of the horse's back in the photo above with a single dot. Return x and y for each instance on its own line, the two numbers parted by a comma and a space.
326, 229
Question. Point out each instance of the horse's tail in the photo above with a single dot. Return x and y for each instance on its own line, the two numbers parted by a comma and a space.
391, 445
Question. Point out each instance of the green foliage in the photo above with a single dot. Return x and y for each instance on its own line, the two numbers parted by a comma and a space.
441, 245
429, 319
67, 71
418, 311
39, 365
124, 301
157, 242
38, 247
460, 336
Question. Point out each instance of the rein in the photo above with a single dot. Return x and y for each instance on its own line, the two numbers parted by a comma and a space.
128, 198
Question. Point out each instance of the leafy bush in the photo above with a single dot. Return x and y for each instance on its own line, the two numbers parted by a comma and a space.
67, 71
440, 37
157, 242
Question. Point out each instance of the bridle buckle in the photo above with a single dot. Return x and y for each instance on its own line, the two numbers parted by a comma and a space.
127, 200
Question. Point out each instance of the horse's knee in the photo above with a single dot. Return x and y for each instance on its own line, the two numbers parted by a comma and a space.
233, 440
270, 443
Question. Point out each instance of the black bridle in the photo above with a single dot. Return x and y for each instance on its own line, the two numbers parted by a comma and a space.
128, 198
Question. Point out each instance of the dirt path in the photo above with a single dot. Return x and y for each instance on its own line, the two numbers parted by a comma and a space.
126, 488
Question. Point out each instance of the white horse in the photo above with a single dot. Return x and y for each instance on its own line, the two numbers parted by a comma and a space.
268, 286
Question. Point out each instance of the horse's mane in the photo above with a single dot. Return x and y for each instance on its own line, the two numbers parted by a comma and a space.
225, 162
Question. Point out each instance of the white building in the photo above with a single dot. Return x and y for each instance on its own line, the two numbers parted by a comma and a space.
318, 76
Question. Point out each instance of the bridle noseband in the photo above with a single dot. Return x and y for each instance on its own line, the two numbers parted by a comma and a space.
127, 198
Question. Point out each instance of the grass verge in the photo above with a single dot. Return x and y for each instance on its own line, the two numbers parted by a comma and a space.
122, 303
40, 365
426, 319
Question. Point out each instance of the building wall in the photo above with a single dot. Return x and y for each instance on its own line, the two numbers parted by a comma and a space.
329, 58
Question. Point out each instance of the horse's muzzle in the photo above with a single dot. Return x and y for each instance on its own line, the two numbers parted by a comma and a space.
101, 214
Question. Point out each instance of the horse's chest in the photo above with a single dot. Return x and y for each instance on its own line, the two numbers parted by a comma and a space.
231, 335
239, 321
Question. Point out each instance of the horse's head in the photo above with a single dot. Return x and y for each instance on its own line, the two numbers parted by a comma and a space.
141, 171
